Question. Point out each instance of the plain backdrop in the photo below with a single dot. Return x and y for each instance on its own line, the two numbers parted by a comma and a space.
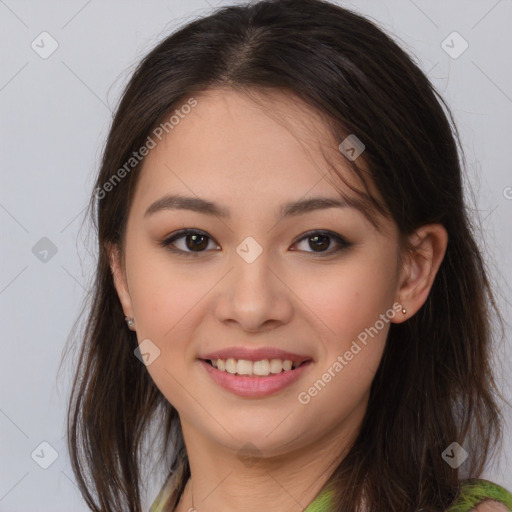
56, 109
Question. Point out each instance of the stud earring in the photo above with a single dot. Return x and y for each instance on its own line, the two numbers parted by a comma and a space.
404, 311
129, 320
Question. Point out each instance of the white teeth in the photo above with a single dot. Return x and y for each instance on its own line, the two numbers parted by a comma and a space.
261, 368
244, 367
231, 365
276, 365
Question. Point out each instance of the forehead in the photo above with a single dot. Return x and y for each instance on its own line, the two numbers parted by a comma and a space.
236, 148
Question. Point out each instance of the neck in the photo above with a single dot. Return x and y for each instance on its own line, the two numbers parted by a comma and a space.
250, 481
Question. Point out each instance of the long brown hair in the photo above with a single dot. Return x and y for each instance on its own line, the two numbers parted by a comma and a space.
434, 384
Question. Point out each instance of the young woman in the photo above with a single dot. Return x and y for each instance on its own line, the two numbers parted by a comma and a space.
288, 281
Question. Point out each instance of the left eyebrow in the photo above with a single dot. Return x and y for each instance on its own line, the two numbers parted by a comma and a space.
293, 208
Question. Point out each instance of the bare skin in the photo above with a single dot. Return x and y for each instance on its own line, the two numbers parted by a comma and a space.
231, 152
491, 506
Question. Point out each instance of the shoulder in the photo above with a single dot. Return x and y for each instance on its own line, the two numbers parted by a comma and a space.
477, 495
491, 506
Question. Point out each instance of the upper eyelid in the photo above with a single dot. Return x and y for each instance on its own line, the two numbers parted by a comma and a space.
184, 232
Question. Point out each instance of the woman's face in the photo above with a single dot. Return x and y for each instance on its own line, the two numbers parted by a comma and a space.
252, 282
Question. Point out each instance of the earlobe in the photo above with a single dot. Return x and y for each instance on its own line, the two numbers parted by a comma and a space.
119, 279
420, 267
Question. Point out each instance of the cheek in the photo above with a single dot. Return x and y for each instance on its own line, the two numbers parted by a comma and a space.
164, 294
347, 298
164, 303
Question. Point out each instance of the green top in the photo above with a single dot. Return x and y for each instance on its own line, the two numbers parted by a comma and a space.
473, 492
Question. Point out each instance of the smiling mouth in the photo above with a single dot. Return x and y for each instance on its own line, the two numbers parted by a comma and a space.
262, 368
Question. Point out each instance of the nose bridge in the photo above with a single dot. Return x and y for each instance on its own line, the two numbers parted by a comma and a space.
252, 274
254, 295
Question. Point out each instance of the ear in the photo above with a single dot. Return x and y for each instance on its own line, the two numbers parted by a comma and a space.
420, 266
120, 282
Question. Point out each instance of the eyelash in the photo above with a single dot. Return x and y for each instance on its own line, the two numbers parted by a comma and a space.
167, 242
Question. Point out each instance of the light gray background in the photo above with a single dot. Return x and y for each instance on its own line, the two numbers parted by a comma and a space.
55, 113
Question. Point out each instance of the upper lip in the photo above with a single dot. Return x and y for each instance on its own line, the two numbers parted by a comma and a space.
255, 354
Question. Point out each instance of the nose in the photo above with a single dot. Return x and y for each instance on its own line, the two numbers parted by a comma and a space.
254, 296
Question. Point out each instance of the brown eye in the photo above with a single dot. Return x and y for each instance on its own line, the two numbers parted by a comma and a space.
320, 241
195, 242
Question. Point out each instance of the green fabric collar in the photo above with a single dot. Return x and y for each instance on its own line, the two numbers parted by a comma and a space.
477, 490
323, 500
473, 492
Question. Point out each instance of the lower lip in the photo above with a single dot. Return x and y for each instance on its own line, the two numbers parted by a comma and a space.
255, 387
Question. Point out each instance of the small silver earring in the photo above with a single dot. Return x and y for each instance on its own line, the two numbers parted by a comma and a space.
404, 311
129, 320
